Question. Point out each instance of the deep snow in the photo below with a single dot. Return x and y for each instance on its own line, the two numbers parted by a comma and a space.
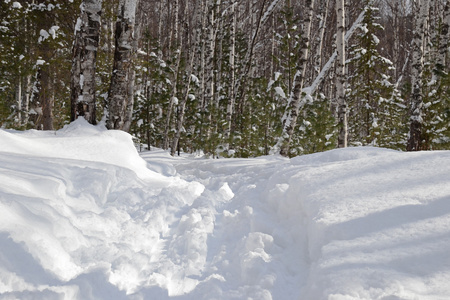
83, 215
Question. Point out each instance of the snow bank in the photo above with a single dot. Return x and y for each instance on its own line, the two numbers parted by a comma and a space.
78, 141
80, 214
379, 224
83, 216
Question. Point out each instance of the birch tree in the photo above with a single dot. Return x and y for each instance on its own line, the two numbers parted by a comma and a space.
444, 39
416, 119
84, 55
340, 78
291, 114
121, 91
173, 101
190, 43
232, 93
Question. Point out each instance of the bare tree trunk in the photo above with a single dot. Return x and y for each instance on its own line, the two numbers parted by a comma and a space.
19, 102
416, 120
84, 55
182, 107
322, 26
121, 91
47, 99
173, 98
211, 59
26, 100
231, 96
340, 78
136, 37
294, 100
444, 40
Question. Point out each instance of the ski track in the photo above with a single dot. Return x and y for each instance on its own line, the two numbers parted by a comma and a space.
268, 245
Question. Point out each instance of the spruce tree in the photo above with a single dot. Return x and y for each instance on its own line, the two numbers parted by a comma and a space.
374, 103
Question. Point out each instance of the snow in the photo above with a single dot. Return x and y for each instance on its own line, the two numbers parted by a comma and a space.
53, 31
78, 25
280, 92
16, 5
83, 215
43, 35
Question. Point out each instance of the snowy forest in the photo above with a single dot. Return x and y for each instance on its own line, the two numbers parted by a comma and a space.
232, 78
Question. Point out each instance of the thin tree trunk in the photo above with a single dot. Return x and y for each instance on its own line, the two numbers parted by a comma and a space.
47, 99
322, 26
231, 96
204, 9
19, 102
416, 119
444, 40
173, 98
323, 73
251, 46
26, 100
182, 108
340, 77
84, 55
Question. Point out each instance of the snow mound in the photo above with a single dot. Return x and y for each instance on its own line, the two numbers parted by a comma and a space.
84, 216
78, 141
339, 155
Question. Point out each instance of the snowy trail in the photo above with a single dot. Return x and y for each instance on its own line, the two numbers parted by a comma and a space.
83, 216
250, 246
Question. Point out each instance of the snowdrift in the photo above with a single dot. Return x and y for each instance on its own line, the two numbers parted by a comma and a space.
84, 216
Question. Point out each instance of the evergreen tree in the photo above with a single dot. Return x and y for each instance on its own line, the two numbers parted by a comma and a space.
374, 103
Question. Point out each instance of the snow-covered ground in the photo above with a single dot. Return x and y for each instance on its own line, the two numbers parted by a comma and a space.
84, 216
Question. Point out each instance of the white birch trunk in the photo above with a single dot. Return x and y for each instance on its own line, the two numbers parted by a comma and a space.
445, 37
175, 79
296, 95
84, 54
269, 11
210, 81
323, 73
416, 120
121, 91
19, 102
231, 96
182, 106
340, 76
160, 53
26, 100
322, 26
204, 9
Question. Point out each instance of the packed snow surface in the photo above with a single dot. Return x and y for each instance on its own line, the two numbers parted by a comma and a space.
83, 215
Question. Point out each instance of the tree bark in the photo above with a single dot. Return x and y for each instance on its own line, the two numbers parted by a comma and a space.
340, 78
121, 91
416, 119
444, 40
231, 96
173, 98
294, 103
84, 56
47, 97
322, 26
